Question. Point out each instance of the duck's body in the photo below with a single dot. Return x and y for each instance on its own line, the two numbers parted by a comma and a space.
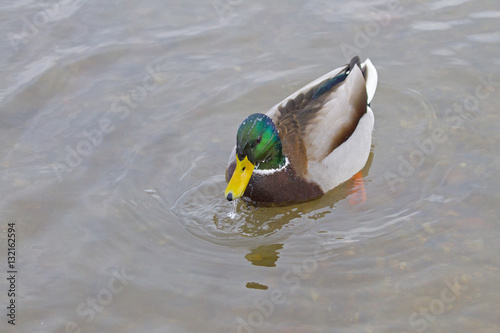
308, 144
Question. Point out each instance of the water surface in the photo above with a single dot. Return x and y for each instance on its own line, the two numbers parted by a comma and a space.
117, 123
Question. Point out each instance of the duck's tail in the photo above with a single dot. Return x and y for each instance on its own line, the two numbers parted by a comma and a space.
371, 78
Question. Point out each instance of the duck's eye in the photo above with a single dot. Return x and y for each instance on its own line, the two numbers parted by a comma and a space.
259, 139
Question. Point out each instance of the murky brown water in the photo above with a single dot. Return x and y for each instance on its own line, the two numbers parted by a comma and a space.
117, 122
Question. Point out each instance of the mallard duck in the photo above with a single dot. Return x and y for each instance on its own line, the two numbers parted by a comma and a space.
303, 147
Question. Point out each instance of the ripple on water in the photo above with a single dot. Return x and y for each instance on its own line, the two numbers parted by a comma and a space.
204, 213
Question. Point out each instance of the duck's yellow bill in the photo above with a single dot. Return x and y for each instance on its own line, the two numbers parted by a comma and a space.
239, 181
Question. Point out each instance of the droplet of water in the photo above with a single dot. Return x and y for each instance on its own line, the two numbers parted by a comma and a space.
232, 213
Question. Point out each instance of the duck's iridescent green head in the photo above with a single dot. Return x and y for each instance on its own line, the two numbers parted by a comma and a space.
258, 140
257, 146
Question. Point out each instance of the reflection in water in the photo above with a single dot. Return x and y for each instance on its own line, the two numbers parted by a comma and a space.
255, 285
255, 227
265, 255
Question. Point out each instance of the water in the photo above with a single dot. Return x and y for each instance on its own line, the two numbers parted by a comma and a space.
117, 123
